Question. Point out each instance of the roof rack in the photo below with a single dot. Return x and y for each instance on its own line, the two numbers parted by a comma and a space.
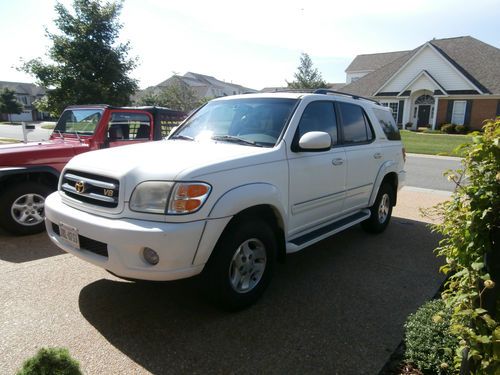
327, 91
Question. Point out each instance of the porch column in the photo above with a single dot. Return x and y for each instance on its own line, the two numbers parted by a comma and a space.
434, 117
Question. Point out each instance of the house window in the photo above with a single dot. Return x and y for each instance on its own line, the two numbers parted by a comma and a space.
458, 114
394, 106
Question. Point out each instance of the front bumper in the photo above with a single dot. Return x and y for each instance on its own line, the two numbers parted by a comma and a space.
176, 243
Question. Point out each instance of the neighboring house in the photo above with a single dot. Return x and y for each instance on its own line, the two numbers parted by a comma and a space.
453, 80
26, 94
204, 86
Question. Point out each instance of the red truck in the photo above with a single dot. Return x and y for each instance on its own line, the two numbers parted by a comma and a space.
29, 172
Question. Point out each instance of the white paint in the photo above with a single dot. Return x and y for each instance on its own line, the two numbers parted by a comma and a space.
432, 61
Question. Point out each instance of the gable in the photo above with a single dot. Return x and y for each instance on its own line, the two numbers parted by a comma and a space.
427, 58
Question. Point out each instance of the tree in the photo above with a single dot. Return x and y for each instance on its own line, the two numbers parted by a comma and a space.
9, 103
177, 95
87, 66
307, 77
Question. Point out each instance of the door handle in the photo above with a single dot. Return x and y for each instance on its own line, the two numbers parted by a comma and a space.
338, 161
377, 155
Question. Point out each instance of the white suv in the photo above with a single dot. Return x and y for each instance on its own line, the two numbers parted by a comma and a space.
242, 182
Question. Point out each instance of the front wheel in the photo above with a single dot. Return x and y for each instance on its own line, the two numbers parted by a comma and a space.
22, 208
381, 210
241, 265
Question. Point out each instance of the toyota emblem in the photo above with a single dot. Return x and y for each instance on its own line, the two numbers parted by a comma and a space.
80, 186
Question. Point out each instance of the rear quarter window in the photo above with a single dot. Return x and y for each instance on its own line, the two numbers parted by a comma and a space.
387, 124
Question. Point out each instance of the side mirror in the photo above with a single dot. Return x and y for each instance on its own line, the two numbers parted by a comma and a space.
315, 141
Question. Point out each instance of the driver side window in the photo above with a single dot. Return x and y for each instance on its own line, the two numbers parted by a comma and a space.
319, 116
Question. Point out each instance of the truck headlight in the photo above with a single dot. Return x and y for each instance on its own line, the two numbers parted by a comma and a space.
188, 197
151, 197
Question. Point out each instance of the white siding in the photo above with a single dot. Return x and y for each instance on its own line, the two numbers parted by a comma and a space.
423, 83
430, 60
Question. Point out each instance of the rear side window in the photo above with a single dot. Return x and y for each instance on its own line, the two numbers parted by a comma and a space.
387, 124
128, 125
355, 125
319, 116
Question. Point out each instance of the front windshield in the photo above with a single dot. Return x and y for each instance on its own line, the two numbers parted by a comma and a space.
246, 121
80, 121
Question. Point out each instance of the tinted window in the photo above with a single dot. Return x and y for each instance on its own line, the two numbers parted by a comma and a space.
387, 124
126, 125
354, 124
319, 116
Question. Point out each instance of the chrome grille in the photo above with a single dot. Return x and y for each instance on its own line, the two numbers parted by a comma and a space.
91, 188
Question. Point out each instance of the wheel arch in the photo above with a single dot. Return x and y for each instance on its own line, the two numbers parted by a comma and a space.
43, 175
387, 174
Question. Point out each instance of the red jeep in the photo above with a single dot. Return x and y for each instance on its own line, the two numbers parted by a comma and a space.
29, 172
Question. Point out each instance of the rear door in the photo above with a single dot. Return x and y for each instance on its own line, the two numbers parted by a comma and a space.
363, 155
128, 127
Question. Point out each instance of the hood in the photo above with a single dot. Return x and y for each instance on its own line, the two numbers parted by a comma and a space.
39, 153
167, 160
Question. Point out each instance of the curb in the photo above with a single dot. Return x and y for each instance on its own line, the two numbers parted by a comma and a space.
425, 156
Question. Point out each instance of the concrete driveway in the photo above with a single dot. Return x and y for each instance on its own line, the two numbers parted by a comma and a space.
16, 132
337, 307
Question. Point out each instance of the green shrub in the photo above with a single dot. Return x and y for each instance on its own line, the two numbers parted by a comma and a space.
50, 361
429, 344
448, 128
461, 129
469, 220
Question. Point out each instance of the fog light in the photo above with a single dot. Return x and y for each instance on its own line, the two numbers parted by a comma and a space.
151, 256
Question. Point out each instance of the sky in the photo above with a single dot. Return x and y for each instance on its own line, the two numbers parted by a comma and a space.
254, 43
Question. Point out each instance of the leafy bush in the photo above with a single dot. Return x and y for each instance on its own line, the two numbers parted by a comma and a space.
461, 129
470, 220
51, 361
429, 344
448, 128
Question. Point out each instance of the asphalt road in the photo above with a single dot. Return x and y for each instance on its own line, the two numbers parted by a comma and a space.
16, 132
337, 307
426, 172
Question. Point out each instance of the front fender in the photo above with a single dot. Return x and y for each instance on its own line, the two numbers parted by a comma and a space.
230, 204
242, 197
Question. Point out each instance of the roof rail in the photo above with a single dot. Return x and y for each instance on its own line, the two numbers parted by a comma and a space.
327, 91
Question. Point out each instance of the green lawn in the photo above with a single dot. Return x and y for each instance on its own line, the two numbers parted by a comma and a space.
433, 144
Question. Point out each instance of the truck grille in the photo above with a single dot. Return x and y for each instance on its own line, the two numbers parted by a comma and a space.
91, 188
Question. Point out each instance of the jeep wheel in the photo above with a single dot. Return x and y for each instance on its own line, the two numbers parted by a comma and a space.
22, 208
381, 210
241, 265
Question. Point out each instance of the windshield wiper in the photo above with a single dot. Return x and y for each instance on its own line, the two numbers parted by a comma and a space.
60, 134
232, 138
184, 137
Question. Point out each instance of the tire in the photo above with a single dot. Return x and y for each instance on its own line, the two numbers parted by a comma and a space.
22, 208
381, 210
241, 265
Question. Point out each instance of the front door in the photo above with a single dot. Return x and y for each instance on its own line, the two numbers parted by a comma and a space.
316, 179
423, 115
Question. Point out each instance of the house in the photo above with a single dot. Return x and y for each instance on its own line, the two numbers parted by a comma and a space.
204, 86
26, 94
452, 80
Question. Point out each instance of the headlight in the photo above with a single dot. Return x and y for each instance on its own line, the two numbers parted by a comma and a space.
188, 197
151, 197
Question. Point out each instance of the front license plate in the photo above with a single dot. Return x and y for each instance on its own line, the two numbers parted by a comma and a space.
69, 234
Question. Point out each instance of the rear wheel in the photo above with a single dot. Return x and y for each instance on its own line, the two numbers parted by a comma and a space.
241, 265
381, 210
22, 208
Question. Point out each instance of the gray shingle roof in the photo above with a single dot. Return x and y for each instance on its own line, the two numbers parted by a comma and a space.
478, 61
23, 88
373, 61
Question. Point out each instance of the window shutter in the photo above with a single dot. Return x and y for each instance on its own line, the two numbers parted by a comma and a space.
400, 111
468, 109
498, 108
449, 111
